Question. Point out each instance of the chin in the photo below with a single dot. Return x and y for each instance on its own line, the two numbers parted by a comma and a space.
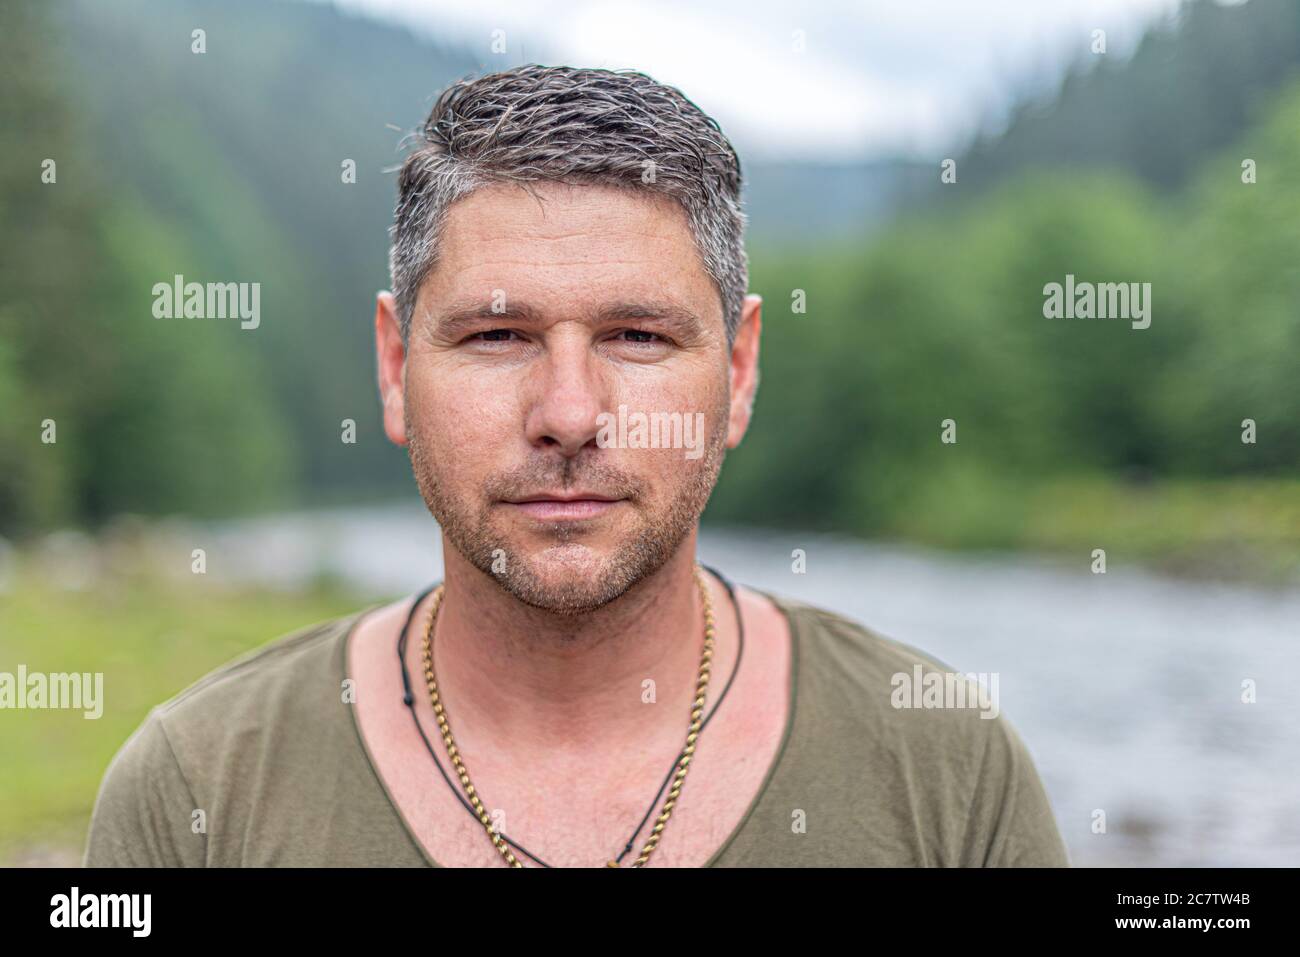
569, 559
568, 572
569, 578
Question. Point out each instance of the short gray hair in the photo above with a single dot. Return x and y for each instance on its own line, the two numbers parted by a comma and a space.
604, 127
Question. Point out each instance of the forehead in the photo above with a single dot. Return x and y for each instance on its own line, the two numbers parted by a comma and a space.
570, 242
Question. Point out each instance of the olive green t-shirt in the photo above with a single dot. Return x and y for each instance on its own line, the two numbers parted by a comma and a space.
268, 749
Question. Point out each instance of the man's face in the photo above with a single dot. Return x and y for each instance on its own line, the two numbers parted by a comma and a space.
543, 313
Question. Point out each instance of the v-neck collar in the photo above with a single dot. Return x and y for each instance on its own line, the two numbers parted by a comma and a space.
795, 624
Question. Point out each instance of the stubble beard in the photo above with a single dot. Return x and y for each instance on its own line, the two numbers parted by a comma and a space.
553, 583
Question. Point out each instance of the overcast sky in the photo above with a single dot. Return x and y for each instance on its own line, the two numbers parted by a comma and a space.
874, 77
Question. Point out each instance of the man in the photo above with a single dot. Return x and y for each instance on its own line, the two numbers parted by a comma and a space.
567, 254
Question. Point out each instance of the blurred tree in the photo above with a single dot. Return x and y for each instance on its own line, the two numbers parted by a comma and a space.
150, 415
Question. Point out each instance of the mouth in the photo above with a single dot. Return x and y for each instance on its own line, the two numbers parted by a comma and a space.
564, 507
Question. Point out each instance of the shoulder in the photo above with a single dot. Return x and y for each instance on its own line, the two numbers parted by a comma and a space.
891, 688
271, 699
922, 735
867, 687
193, 749
266, 674
851, 657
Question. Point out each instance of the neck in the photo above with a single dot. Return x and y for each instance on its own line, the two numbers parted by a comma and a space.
525, 679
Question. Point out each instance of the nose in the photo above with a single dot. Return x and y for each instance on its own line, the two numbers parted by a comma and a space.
568, 393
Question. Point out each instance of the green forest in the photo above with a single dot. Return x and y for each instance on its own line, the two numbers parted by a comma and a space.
1068, 432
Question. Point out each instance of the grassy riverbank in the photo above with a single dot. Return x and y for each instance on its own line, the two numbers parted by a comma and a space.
150, 639
1245, 530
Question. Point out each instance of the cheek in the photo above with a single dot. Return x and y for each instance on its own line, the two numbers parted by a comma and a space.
691, 391
462, 417
690, 386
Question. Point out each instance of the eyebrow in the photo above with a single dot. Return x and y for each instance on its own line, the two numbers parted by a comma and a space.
682, 322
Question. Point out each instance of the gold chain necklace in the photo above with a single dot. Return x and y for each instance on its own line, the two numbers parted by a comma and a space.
683, 762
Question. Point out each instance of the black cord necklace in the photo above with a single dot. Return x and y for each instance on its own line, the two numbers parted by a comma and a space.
408, 699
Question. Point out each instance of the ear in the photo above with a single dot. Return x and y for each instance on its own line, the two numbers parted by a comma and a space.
391, 354
744, 369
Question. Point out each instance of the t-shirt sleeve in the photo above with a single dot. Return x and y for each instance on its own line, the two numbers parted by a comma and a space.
144, 812
1011, 822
